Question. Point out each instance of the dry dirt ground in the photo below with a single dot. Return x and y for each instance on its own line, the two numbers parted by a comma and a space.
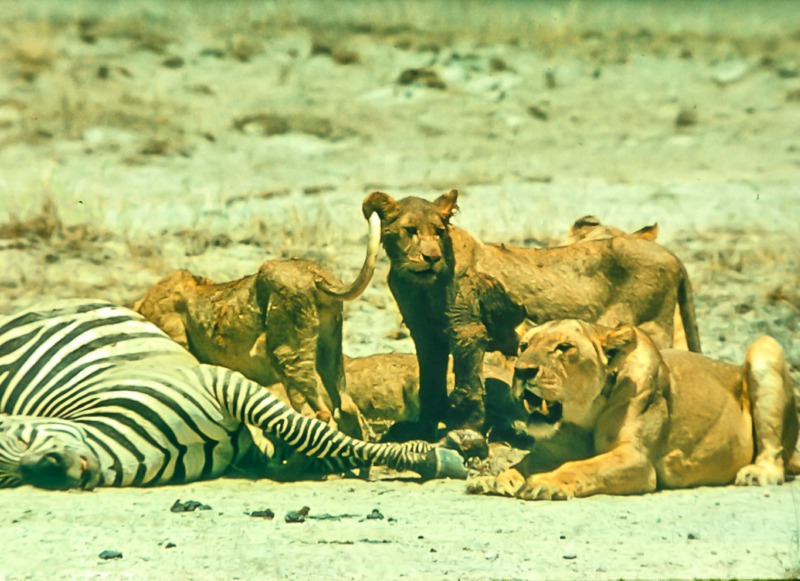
138, 137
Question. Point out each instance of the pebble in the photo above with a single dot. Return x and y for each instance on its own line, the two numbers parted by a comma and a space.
730, 72
188, 506
265, 514
375, 515
110, 555
297, 516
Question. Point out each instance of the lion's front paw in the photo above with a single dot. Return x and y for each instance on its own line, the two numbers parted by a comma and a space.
543, 487
507, 483
760, 475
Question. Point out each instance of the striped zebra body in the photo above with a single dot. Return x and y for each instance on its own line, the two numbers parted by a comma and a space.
93, 394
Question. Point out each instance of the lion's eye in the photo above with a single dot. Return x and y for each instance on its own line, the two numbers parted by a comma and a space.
564, 347
411, 230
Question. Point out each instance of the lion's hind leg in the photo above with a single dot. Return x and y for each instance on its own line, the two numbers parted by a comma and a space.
775, 424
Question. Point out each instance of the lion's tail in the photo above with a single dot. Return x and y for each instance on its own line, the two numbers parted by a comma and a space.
688, 317
359, 285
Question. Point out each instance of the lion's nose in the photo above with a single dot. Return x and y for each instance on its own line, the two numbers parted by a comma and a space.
430, 251
526, 372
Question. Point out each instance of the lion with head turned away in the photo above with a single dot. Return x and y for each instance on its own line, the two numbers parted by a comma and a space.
280, 325
613, 414
461, 297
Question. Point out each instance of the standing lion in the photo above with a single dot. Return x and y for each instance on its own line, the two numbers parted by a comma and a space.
280, 325
460, 296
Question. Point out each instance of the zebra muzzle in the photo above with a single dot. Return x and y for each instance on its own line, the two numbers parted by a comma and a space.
443, 463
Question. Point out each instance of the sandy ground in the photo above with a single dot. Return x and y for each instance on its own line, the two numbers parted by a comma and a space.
140, 137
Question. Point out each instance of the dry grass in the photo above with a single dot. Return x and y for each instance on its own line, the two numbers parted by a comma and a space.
46, 226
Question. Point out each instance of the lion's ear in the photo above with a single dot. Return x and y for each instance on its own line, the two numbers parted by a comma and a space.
385, 206
647, 233
620, 340
447, 204
584, 222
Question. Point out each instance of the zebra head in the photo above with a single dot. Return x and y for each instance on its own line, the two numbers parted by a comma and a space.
47, 453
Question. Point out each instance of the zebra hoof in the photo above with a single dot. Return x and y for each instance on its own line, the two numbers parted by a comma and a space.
443, 463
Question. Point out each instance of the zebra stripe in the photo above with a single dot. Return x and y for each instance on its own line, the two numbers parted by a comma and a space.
96, 395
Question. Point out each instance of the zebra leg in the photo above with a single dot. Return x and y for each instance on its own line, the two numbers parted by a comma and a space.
251, 404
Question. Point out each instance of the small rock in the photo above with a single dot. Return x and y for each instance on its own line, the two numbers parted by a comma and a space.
538, 112
730, 72
213, 52
344, 56
692, 536
491, 555
425, 77
102, 72
375, 515
170, 545
173, 62
569, 557
686, 118
297, 516
188, 506
105, 555
496, 64
265, 514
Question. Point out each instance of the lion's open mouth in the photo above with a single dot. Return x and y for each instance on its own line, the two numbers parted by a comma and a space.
541, 409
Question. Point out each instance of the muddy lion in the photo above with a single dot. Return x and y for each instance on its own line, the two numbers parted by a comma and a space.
280, 325
614, 415
462, 297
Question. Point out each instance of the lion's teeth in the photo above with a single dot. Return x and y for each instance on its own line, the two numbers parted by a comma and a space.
527, 405
544, 407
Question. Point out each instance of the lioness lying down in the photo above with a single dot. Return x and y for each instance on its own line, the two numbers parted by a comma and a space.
614, 415
462, 297
282, 324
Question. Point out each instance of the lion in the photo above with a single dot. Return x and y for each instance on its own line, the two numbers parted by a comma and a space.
282, 324
614, 415
590, 228
460, 296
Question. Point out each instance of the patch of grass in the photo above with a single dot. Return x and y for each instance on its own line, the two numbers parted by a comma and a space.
46, 226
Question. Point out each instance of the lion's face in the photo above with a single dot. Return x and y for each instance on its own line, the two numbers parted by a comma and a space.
559, 376
415, 233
